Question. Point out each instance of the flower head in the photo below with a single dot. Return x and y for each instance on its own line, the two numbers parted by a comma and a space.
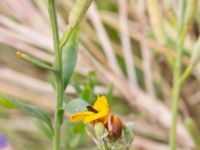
99, 112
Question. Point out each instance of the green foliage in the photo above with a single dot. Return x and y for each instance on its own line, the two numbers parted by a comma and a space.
7, 103
109, 94
192, 128
128, 132
60, 115
35, 61
69, 57
196, 53
78, 11
99, 129
122, 64
74, 135
35, 111
79, 127
88, 92
76, 106
42, 128
107, 5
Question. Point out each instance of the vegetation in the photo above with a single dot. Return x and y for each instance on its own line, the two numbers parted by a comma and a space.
118, 71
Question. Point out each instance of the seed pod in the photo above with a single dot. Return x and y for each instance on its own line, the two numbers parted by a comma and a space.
78, 11
190, 12
117, 126
196, 53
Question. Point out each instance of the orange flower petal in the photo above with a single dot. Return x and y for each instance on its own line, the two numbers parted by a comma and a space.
96, 116
80, 116
105, 119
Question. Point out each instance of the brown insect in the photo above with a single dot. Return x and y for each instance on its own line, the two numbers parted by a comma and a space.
90, 108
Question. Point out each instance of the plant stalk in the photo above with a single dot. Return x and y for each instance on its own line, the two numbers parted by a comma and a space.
59, 76
193, 130
177, 75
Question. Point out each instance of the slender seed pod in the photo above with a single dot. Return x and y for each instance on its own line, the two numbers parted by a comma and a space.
189, 15
78, 11
196, 53
156, 20
190, 12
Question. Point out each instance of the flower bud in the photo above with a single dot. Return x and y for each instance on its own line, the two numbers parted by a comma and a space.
99, 129
117, 126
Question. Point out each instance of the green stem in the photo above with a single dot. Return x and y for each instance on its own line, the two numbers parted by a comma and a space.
59, 78
186, 74
193, 130
177, 74
103, 146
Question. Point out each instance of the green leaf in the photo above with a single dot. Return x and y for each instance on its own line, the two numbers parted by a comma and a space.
7, 103
74, 137
76, 106
193, 130
92, 79
35, 61
46, 3
195, 53
69, 57
109, 95
79, 127
128, 131
14, 104
42, 128
88, 92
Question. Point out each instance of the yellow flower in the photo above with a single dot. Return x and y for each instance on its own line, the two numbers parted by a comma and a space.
99, 112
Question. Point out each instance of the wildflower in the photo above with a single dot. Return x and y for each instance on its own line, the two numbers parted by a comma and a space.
3, 141
99, 112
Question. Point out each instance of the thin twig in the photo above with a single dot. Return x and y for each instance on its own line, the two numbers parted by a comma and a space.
101, 32
126, 43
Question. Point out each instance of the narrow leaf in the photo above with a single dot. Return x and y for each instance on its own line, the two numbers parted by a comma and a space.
9, 103
34, 61
195, 53
42, 128
192, 128
88, 92
69, 57
109, 95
